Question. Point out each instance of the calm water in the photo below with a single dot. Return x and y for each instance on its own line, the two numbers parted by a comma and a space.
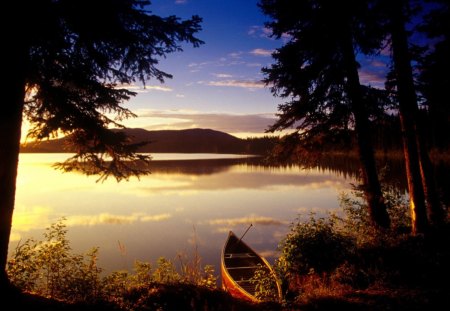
185, 203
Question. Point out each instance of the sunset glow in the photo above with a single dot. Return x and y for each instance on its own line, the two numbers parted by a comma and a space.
100, 214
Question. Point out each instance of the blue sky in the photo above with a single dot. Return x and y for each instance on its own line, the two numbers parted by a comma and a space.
217, 85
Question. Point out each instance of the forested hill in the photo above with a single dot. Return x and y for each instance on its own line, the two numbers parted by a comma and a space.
172, 141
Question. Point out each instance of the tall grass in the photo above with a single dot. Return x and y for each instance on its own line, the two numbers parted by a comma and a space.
49, 268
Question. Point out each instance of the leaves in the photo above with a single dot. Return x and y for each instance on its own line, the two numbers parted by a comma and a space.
79, 63
49, 268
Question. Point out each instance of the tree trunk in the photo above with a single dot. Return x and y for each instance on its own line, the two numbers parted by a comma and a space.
435, 210
408, 116
372, 188
10, 131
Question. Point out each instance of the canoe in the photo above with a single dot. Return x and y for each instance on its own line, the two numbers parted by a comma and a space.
239, 263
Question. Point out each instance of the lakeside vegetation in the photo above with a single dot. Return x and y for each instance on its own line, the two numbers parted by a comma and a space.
70, 79
324, 262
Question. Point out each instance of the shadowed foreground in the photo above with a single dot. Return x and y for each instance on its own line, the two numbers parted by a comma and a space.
190, 297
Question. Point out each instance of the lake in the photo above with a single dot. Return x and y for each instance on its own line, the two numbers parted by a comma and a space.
190, 201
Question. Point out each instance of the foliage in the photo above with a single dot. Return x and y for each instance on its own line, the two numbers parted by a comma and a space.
327, 257
317, 71
70, 73
192, 271
49, 268
356, 221
312, 69
79, 69
316, 246
265, 285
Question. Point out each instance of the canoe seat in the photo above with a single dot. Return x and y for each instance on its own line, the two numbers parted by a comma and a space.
247, 286
239, 255
244, 267
244, 281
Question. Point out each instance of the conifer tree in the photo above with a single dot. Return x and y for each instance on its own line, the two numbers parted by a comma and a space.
66, 63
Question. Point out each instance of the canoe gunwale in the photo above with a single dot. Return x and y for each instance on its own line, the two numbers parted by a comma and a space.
235, 287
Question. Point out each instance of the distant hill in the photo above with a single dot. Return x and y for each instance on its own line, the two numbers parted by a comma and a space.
169, 141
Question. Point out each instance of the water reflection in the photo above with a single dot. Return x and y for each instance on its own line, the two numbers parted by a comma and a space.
181, 202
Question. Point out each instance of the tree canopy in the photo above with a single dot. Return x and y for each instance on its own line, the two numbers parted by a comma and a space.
68, 64
317, 71
80, 61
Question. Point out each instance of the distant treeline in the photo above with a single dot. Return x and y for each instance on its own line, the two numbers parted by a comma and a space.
172, 141
386, 136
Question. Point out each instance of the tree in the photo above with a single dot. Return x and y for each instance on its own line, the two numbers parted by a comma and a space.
407, 110
67, 62
318, 70
434, 81
433, 85
419, 171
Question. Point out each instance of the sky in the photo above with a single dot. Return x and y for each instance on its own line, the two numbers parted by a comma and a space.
217, 85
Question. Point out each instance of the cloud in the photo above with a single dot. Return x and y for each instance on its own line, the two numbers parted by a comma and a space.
38, 217
29, 218
252, 219
222, 75
198, 66
254, 65
235, 54
144, 89
229, 123
158, 88
378, 63
233, 59
155, 218
110, 219
259, 31
247, 84
261, 52
132, 87
374, 78
180, 1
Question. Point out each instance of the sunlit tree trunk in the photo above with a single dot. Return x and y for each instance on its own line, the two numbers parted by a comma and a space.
408, 114
10, 131
372, 188
435, 210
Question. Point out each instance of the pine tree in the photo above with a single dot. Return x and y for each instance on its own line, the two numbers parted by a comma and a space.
66, 62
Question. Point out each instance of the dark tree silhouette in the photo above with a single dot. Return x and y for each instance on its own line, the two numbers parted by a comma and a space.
419, 171
318, 70
434, 80
66, 63
434, 83
407, 110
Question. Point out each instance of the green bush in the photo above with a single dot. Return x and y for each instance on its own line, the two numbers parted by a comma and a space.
266, 287
356, 221
316, 246
49, 268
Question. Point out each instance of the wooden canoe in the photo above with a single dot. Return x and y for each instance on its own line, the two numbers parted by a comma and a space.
239, 263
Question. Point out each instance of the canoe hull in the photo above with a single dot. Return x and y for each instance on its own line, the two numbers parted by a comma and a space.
239, 263
229, 285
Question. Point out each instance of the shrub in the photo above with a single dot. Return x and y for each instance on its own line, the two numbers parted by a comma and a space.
48, 267
315, 246
266, 287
